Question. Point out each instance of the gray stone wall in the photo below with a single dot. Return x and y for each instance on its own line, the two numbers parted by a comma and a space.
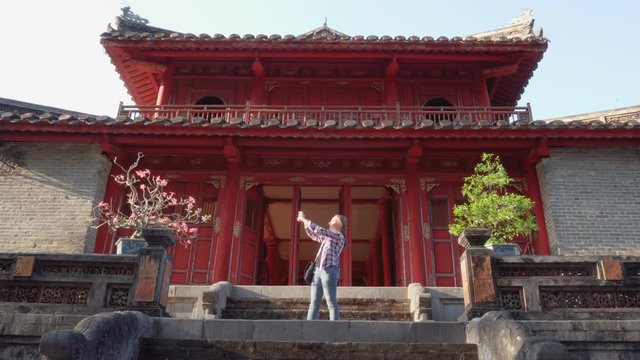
591, 200
47, 199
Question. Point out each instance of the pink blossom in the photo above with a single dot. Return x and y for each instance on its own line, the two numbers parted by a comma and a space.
150, 205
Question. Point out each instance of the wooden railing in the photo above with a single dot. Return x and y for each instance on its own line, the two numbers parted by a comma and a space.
323, 116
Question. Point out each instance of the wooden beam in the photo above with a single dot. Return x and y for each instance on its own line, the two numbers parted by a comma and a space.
498, 71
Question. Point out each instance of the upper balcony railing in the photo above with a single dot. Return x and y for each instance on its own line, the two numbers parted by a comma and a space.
325, 116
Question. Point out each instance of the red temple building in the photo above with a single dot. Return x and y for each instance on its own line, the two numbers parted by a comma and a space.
381, 129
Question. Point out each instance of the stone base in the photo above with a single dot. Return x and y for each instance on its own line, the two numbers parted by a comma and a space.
504, 249
130, 246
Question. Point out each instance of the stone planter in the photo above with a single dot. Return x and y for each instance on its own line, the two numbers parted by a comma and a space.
474, 237
159, 237
504, 249
130, 246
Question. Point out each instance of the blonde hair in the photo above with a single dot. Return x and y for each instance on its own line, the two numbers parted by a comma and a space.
343, 223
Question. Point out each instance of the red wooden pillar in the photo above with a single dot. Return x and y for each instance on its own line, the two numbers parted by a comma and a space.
425, 186
541, 245
391, 82
164, 87
383, 207
374, 261
113, 194
257, 90
273, 259
230, 197
295, 237
418, 263
483, 92
346, 258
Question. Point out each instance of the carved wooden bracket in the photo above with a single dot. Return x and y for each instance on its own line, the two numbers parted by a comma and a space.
398, 185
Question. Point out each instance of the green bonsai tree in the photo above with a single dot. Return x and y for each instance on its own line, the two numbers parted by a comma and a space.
490, 206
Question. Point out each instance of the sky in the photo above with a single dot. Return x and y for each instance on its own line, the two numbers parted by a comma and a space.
50, 52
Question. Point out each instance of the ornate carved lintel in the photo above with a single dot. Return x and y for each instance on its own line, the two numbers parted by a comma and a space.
297, 179
398, 185
348, 180
270, 85
426, 231
236, 229
247, 182
520, 184
426, 184
405, 232
217, 181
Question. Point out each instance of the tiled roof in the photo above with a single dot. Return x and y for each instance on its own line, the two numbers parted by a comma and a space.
10, 105
130, 26
629, 121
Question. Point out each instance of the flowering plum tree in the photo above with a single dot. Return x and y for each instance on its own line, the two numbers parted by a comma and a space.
149, 205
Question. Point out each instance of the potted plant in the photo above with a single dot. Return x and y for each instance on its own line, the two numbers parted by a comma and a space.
150, 211
488, 205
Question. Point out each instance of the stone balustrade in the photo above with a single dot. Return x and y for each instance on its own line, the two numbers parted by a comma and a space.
84, 283
550, 287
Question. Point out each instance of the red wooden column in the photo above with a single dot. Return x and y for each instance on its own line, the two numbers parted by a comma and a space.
383, 208
257, 90
230, 197
541, 245
425, 186
273, 259
418, 263
391, 82
295, 237
374, 261
165, 85
346, 258
112, 195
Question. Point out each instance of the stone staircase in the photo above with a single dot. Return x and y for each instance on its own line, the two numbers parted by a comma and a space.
267, 322
296, 308
592, 339
217, 349
303, 339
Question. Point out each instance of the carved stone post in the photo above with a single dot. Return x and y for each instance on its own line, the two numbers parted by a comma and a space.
151, 284
478, 283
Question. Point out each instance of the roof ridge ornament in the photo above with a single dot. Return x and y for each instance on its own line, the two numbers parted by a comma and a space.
323, 32
521, 26
129, 15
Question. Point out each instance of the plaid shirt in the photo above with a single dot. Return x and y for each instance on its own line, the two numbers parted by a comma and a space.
332, 244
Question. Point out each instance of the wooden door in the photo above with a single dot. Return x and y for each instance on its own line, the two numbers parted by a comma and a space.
192, 264
444, 246
251, 237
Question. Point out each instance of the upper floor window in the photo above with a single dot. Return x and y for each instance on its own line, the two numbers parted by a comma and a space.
437, 109
438, 102
210, 100
210, 112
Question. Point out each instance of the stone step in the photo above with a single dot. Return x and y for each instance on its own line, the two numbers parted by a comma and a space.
586, 330
230, 349
288, 308
346, 331
293, 301
592, 339
324, 314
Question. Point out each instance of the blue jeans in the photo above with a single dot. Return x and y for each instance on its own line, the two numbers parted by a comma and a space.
325, 280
